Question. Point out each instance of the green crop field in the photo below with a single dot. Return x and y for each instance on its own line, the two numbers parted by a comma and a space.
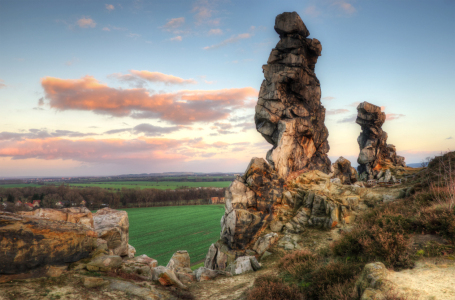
160, 231
19, 185
163, 185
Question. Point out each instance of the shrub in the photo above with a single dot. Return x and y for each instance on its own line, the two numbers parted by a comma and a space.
273, 288
298, 264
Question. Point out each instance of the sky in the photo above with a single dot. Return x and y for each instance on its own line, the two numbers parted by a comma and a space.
92, 88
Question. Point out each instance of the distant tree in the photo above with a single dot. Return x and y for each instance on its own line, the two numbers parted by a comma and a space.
10, 198
50, 200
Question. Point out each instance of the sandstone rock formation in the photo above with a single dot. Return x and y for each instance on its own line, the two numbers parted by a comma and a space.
29, 242
249, 201
375, 153
113, 226
78, 215
342, 170
289, 114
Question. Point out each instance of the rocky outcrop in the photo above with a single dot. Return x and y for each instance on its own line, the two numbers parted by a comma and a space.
372, 282
78, 215
249, 202
113, 226
289, 114
375, 154
342, 170
29, 242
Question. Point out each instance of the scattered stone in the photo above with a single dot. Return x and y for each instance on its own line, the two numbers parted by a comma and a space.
92, 282
265, 242
167, 277
203, 274
276, 226
254, 263
56, 271
145, 293
104, 263
29, 242
113, 225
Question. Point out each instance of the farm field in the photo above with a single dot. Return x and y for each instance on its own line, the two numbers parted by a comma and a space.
163, 185
160, 231
19, 185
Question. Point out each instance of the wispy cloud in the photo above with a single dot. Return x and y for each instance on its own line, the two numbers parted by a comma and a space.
312, 11
138, 78
345, 7
133, 35
182, 107
41, 134
449, 138
71, 61
86, 22
173, 24
354, 104
147, 130
337, 111
216, 31
41, 101
177, 38
106, 29
328, 98
390, 117
350, 119
232, 39
2, 85
110, 7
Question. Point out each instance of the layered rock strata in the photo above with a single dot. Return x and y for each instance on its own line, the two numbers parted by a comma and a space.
78, 215
289, 114
29, 242
375, 154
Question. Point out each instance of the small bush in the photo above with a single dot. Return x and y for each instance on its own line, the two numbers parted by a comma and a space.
273, 288
298, 264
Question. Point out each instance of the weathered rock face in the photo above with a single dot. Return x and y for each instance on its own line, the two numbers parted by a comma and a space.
113, 226
249, 201
28, 242
289, 114
375, 154
342, 170
78, 215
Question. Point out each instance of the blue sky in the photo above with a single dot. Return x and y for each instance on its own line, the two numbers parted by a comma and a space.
71, 54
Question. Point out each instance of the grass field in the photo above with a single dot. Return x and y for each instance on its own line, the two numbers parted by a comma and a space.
160, 231
19, 185
163, 185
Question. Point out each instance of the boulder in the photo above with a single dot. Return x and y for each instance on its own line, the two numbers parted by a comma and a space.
146, 260
373, 278
131, 251
265, 242
29, 242
203, 274
179, 261
134, 267
341, 169
289, 114
167, 277
92, 282
375, 154
276, 226
104, 263
243, 264
113, 226
78, 215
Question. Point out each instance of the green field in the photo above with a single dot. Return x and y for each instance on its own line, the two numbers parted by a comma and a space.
19, 185
163, 185
160, 231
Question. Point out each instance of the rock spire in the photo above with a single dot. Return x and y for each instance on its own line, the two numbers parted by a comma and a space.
289, 114
375, 153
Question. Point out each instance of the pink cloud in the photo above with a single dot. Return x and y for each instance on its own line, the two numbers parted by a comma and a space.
182, 107
173, 23
2, 85
328, 98
232, 39
337, 111
390, 117
86, 23
110, 7
177, 38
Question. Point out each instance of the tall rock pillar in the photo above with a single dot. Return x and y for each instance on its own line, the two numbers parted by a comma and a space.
289, 114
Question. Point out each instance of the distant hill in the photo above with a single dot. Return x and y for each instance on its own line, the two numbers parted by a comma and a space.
416, 165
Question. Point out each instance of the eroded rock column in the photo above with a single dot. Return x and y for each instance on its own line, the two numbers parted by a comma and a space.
289, 114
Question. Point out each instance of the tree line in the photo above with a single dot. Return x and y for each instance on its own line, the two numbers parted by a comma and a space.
96, 197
